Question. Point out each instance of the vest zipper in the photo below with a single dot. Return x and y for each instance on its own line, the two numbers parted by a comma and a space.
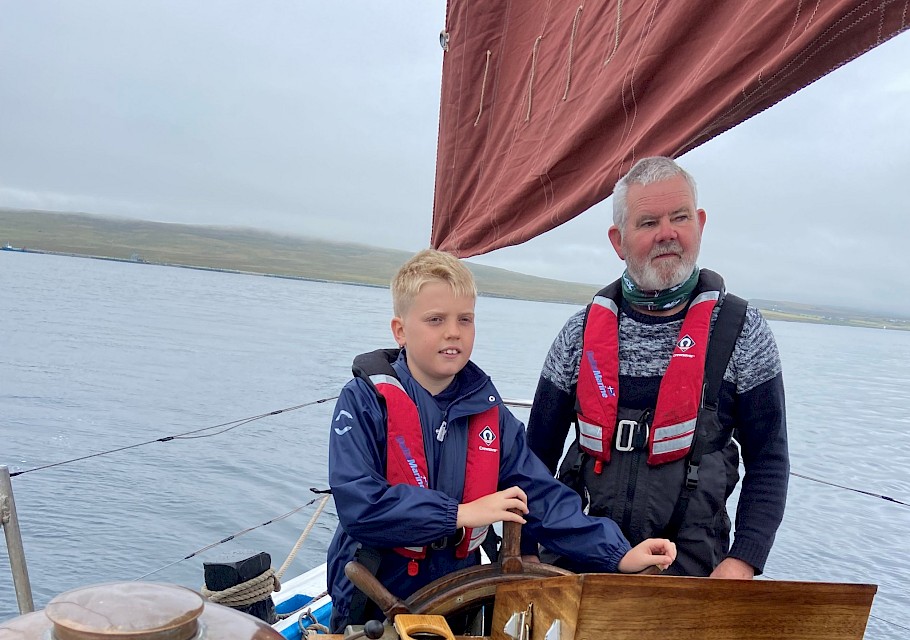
630, 491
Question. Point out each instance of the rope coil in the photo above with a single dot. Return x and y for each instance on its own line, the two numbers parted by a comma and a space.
246, 593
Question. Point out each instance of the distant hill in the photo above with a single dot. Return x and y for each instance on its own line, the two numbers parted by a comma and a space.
255, 251
251, 251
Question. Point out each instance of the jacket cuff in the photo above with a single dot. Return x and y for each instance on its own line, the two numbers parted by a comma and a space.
619, 551
451, 515
751, 553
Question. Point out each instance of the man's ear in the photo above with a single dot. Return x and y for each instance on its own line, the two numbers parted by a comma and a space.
398, 331
616, 241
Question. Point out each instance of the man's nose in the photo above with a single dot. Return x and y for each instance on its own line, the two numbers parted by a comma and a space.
665, 230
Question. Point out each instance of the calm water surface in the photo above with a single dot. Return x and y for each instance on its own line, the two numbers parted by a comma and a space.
97, 355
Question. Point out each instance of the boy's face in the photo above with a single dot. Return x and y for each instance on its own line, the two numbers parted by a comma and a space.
438, 332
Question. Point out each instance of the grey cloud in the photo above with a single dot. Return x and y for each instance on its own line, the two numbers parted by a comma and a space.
321, 119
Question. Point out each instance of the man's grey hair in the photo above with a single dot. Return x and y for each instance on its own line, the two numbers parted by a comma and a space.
646, 171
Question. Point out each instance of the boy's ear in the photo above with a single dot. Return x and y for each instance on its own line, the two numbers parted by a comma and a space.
398, 331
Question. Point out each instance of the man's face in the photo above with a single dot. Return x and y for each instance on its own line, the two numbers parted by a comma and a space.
438, 332
661, 236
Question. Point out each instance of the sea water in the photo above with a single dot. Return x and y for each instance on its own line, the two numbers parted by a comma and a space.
98, 355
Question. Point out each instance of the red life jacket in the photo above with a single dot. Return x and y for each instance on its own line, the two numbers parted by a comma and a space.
673, 426
406, 461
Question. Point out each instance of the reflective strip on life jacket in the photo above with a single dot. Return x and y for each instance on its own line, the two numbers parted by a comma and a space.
406, 456
591, 436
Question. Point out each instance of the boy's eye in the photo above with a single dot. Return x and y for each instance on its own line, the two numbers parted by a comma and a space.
466, 320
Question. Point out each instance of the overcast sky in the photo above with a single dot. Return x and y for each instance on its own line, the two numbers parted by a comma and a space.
320, 119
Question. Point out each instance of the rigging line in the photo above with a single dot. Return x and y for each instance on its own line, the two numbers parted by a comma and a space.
895, 624
840, 486
186, 435
235, 535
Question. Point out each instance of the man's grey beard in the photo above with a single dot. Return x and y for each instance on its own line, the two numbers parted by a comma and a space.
650, 278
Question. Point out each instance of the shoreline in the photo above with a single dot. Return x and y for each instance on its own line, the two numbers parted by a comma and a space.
769, 314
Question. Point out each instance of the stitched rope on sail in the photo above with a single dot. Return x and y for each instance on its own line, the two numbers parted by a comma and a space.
565, 93
303, 536
246, 593
616, 38
483, 86
531, 76
799, 6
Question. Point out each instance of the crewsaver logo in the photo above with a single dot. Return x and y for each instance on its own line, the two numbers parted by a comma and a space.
685, 343
487, 436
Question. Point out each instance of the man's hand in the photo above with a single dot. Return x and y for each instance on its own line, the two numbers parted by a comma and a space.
733, 568
503, 506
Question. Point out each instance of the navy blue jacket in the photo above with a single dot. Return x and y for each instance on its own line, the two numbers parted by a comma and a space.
378, 515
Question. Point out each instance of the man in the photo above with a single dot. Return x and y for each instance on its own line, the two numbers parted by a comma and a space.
654, 408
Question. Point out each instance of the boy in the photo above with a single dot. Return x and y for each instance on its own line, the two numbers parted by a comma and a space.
402, 439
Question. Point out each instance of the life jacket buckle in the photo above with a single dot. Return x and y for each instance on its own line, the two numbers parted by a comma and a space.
448, 541
439, 545
691, 476
631, 435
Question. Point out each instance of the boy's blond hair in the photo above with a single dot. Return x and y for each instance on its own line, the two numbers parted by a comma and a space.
426, 266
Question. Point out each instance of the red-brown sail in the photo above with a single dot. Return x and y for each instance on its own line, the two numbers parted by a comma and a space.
546, 104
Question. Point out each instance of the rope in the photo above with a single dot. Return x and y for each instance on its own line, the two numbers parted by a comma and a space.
246, 593
234, 536
840, 486
303, 536
261, 587
483, 86
282, 616
187, 435
616, 38
565, 93
531, 77
314, 627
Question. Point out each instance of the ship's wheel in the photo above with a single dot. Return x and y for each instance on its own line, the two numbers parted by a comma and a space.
461, 590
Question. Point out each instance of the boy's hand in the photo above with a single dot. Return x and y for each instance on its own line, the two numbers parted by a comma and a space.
503, 506
653, 551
